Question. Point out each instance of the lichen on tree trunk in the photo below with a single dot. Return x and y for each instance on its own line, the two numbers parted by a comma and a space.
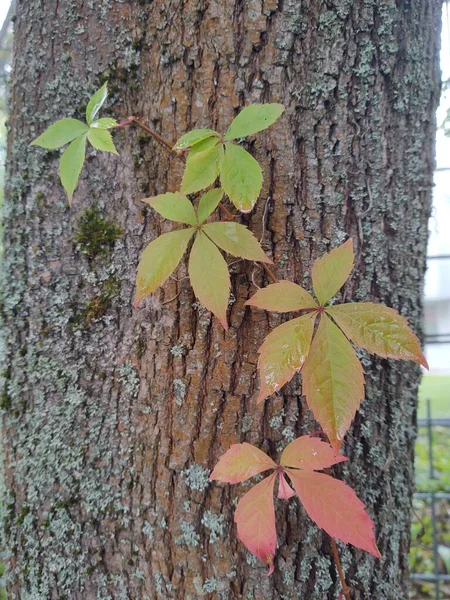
114, 417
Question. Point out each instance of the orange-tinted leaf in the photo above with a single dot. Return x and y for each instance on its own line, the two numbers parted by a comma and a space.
284, 489
379, 330
255, 520
209, 277
283, 296
310, 453
240, 462
173, 206
283, 353
333, 381
334, 507
159, 260
236, 240
331, 271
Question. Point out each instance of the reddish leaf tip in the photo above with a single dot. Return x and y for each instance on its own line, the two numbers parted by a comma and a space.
137, 300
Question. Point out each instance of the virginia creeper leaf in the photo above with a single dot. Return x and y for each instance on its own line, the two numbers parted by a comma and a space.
194, 137
255, 520
241, 177
209, 277
71, 164
333, 381
252, 119
240, 462
283, 353
331, 271
102, 140
310, 453
284, 489
379, 330
95, 103
208, 204
159, 260
283, 296
236, 239
202, 167
103, 123
60, 133
173, 206
334, 507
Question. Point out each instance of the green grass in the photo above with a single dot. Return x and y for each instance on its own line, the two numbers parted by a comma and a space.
437, 389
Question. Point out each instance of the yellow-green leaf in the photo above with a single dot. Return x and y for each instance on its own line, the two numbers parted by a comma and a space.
202, 167
331, 271
283, 353
159, 260
102, 140
95, 103
60, 133
209, 277
208, 204
174, 206
379, 330
283, 296
71, 164
241, 177
194, 137
236, 239
252, 119
333, 381
103, 123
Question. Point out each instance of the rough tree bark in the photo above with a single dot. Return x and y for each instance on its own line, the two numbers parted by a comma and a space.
114, 417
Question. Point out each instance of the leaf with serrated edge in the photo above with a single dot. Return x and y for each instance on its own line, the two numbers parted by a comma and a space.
159, 260
202, 168
96, 102
333, 381
60, 133
194, 137
208, 204
283, 353
102, 140
241, 177
284, 489
209, 277
334, 507
252, 119
283, 296
240, 462
173, 206
331, 271
379, 330
310, 453
255, 520
236, 239
103, 123
71, 164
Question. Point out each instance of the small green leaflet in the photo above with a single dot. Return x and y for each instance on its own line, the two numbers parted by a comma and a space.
60, 133
194, 137
174, 206
252, 119
71, 164
236, 239
104, 123
95, 103
241, 177
208, 204
102, 140
202, 166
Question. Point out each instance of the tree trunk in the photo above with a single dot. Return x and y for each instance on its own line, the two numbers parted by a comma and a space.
114, 417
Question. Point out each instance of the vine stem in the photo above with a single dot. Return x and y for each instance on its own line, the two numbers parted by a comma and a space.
270, 273
337, 560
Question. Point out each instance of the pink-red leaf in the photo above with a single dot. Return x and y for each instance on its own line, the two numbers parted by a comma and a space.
235, 239
334, 507
255, 520
331, 271
333, 381
310, 453
283, 296
379, 330
283, 353
240, 462
284, 489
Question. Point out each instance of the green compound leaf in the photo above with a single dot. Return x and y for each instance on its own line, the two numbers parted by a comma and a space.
104, 123
202, 166
194, 137
60, 133
159, 260
173, 206
102, 140
71, 164
252, 119
96, 102
241, 177
208, 204
236, 239
209, 277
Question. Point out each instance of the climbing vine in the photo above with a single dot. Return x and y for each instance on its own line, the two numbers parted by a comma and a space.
317, 342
